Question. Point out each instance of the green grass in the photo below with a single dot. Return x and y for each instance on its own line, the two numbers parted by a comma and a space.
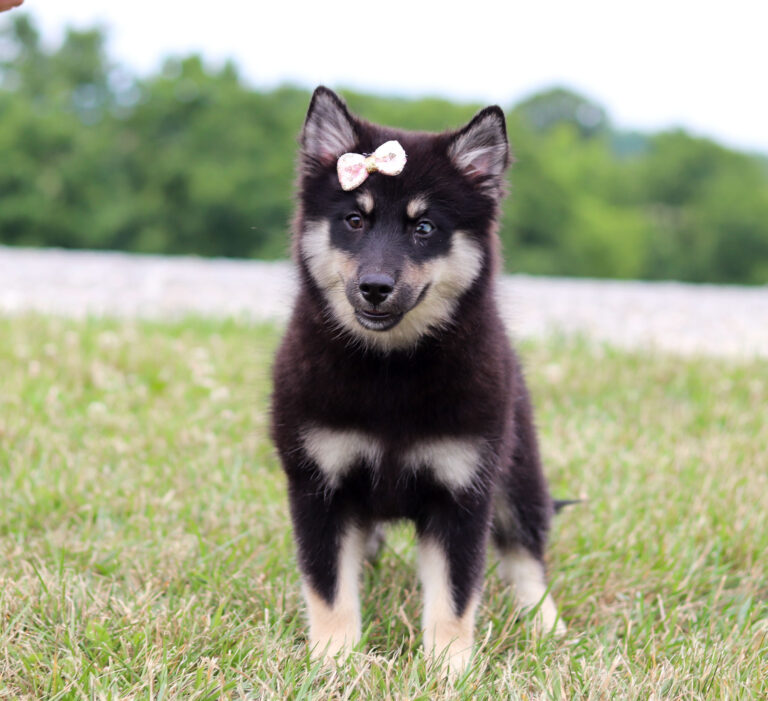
145, 548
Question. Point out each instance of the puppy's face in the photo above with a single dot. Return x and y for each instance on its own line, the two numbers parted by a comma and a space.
392, 257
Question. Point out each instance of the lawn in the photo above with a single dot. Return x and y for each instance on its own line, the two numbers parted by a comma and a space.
145, 548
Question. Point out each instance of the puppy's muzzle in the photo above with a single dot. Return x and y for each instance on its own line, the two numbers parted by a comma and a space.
376, 287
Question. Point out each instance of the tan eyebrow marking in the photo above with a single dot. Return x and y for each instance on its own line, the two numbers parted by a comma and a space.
416, 207
365, 201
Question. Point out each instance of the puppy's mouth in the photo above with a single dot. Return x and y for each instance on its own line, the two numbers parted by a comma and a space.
382, 320
377, 320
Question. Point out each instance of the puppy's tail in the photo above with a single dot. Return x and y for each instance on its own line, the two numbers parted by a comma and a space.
560, 504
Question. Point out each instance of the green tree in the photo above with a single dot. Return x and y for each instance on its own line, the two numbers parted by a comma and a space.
192, 160
557, 106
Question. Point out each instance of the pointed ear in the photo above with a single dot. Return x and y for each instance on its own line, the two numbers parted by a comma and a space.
329, 129
481, 151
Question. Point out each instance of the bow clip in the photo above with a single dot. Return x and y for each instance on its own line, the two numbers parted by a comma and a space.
354, 168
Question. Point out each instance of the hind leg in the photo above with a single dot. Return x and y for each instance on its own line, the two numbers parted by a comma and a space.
521, 561
526, 576
522, 514
374, 541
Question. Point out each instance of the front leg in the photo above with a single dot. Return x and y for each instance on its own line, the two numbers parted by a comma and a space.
331, 546
452, 546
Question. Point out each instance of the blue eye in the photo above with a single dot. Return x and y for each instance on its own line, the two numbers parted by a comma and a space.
425, 228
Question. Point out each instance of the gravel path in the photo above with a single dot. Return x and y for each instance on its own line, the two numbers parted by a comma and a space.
719, 320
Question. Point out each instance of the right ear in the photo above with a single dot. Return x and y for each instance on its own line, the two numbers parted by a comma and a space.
329, 129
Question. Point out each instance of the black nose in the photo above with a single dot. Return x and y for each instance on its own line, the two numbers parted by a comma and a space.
376, 287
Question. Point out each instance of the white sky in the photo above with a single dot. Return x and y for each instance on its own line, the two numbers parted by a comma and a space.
653, 64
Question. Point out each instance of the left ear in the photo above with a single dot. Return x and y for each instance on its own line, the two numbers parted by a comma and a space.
481, 151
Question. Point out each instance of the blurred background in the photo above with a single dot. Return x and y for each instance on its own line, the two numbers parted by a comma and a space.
640, 132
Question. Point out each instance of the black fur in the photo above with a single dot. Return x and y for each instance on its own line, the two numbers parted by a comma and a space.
460, 379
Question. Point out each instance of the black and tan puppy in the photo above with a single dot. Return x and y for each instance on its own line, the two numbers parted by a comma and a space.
397, 394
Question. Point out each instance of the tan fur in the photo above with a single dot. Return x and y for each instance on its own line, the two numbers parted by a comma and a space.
453, 462
416, 207
335, 629
526, 576
365, 201
335, 452
448, 638
330, 268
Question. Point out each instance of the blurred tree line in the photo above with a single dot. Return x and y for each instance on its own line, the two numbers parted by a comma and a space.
192, 160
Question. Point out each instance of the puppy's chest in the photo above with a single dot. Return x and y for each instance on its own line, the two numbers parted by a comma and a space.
450, 461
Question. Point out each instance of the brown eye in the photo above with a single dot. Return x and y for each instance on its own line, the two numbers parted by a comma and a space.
354, 221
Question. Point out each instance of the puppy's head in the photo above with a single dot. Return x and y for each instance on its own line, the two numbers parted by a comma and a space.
392, 257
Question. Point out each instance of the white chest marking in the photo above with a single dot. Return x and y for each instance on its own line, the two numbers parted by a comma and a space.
453, 462
335, 452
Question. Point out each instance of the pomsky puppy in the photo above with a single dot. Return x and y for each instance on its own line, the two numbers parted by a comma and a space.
396, 392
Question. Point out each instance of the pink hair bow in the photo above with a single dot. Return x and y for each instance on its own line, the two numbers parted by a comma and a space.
353, 168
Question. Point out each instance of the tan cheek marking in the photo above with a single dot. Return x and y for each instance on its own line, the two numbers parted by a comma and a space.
346, 265
461, 268
329, 266
416, 276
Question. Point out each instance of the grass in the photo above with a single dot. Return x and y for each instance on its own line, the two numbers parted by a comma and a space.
145, 548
